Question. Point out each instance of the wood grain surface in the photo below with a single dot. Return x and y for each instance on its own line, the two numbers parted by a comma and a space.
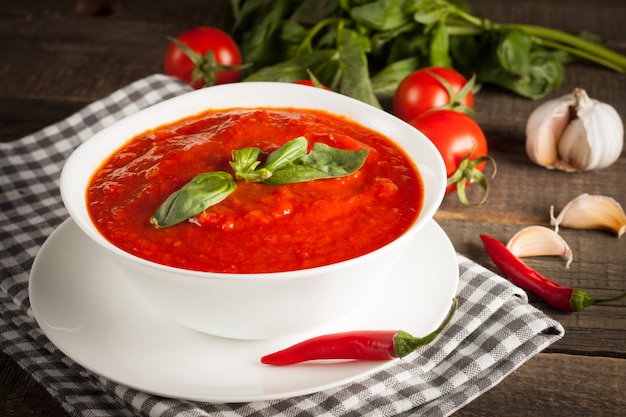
58, 56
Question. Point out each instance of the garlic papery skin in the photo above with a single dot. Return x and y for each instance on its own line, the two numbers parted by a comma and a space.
574, 133
539, 241
591, 212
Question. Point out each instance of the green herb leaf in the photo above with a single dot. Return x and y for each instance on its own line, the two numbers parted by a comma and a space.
381, 15
430, 12
440, 47
534, 75
359, 38
322, 162
286, 154
385, 82
286, 165
293, 69
513, 52
245, 160
355, 79
197, 195
262, 46
314, 11
244, 165
291, 163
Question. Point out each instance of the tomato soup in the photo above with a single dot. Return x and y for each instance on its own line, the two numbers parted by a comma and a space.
259, 227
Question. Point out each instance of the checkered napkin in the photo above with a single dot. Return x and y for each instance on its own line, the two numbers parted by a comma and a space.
494, 331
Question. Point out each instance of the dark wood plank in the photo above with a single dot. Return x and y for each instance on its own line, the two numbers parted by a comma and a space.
63, 60
556, 385
19, 118
22, 396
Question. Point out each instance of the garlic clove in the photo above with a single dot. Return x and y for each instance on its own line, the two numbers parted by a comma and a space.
574, 133
539, 241
591, 212
573, 147
544, 129
604, 132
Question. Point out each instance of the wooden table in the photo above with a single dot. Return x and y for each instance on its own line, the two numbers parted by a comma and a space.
59, 56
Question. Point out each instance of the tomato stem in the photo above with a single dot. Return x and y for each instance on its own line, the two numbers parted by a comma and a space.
468, 173
456, 99
205, 67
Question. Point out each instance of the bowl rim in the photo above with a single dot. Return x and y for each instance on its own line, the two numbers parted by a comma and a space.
176, 108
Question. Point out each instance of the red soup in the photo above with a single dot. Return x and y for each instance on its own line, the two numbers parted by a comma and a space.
259, 227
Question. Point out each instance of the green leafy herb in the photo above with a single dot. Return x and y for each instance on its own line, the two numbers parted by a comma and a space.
198, 194
286, 165
286, 154
364, 48
244, 165
322, 162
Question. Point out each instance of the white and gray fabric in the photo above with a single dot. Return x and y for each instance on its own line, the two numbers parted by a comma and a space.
494, 331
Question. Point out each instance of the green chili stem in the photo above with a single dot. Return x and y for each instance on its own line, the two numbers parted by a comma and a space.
581, 300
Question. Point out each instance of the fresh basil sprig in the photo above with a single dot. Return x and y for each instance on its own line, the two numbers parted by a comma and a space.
286, 165
364, 48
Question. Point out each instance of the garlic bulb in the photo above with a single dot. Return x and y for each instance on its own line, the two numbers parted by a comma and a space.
574, 133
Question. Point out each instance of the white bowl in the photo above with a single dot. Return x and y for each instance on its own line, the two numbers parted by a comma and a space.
255, 306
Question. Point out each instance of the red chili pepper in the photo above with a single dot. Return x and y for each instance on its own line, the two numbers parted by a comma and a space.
559, 296
371, 345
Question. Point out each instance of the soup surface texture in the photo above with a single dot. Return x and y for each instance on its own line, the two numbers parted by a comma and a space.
259, 227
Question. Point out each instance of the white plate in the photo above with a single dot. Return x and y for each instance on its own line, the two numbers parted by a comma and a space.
95, 317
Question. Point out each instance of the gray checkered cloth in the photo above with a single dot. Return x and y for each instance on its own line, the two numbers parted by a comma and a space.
494, 331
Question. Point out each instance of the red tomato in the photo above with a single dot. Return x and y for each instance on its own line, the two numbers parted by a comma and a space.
462, 144
420, 91
198, 67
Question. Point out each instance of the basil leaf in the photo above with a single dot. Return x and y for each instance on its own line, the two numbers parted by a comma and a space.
288, 164
410, 46
313, 11
334, 162
194, 197
382, 42
293, 69
381, 14
244, 165
261, 46
293, 32
440, 47
286, 154
385, 82
513, 52
538, 74
245, 160
429, 12
544, 75
322, 162
355, 80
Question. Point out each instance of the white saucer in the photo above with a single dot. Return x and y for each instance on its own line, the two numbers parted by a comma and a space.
96, 318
